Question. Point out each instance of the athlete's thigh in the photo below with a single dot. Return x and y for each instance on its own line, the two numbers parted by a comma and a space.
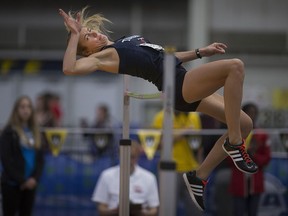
202, 81
213, 106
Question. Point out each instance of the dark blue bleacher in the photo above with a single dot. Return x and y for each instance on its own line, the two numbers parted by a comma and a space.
67, 185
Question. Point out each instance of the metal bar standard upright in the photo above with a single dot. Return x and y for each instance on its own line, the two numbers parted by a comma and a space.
167, 165
125, 144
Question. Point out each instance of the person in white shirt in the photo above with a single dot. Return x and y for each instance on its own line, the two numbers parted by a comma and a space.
144, 197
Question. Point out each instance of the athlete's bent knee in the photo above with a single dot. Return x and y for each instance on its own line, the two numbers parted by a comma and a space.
237, 68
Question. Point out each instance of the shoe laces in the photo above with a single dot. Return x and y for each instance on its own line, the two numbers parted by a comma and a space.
204, 182
245, 155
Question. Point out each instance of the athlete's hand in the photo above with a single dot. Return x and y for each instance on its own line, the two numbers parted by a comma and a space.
212, 49
74, 25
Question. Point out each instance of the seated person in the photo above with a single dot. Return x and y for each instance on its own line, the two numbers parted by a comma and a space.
144, 198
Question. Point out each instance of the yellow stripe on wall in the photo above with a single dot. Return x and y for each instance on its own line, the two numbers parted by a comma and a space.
32, 67
6, 66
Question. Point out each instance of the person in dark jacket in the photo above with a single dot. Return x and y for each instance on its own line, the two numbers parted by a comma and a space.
246, 189
22, 159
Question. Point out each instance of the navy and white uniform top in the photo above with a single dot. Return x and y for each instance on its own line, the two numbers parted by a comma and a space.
138, 57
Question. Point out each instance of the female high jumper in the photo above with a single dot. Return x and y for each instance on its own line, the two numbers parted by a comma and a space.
195, 89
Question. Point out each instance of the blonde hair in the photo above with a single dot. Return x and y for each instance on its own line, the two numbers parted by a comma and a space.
95, 22
15, 122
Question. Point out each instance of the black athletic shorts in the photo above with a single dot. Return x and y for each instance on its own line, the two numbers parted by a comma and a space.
180, 103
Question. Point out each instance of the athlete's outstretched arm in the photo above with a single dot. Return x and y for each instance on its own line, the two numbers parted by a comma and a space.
72, 66
212, 49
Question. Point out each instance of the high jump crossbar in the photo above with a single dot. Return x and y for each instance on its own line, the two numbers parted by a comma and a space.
144, 96
167, 165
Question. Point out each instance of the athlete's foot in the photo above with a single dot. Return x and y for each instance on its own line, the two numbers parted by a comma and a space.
240, 157
195, 187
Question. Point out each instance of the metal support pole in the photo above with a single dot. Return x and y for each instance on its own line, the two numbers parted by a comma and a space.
167, 165
125, 145
198, 26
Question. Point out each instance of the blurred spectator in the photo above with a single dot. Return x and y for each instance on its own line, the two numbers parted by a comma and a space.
48, 113
246, 189
56, 109
48, 110
144, 198
44, 113
21, 158
103, 119
183, 153
102, 143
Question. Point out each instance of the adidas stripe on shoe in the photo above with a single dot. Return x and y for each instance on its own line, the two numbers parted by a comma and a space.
196, 188
240, 157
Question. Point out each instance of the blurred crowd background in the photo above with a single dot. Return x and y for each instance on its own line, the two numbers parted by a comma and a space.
86, 111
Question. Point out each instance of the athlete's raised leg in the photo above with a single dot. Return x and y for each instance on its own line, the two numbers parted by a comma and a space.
203, 81
213, 106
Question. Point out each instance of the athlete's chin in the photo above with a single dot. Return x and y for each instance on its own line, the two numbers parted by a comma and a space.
99, 47
105, 40
103, 44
